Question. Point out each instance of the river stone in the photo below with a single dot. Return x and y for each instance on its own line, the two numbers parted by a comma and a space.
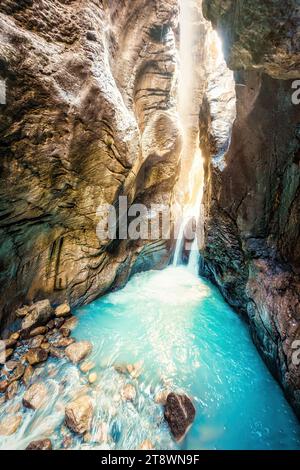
43, 444
78, 351
87, 366
27, 375
18, 372
128, 392
36, 356
36, 341
58, 322
92, 378
63, 342
179, 414
70, 324
79, 414
3, 385
40, 313
36, 396
62, 310
56, 352
40, 330
9, 425
11, 390
161, 397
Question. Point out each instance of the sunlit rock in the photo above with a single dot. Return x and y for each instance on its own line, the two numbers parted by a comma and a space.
9, 425
36, 396
78, 414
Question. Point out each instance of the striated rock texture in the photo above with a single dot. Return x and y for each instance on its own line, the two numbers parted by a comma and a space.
90, 115
252, 194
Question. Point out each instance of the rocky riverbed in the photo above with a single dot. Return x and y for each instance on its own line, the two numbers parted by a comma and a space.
53, 396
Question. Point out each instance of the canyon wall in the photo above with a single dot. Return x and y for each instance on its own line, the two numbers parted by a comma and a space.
252, 193
90, 115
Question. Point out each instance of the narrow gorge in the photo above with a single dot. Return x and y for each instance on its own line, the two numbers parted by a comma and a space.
150, 224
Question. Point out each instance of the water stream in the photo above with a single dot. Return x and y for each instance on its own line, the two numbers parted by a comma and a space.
184, 337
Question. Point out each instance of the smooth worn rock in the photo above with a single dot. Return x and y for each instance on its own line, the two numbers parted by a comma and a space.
27, 375
9, 425
78, 414
44, 444
179, 413
35, 356
63, 310
36, 396
40, 313
36, 342
78, 351
87, 366
40, 330
69, 324
92, 378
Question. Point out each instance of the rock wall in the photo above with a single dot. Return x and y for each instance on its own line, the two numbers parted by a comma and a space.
90, 115
252, 194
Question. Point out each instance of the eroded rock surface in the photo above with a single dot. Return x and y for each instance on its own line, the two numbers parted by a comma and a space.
90, 115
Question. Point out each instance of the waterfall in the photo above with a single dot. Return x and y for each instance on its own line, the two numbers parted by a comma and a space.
179, 244
194, 258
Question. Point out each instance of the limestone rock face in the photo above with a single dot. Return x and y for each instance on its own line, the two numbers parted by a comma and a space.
252, 193
90, 115
259, 35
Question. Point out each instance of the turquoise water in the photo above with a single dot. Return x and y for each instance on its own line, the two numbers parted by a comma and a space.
185, 338
189, 339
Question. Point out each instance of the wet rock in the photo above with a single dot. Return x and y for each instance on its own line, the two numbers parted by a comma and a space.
87, 366
36, 341
27, 375
57, 353
10, 425
128, 392
63, 342
179, 414
39, 314
45, 346
92, 378
69, 324
18, 372
11, 390
36, 396
146, 445
63, 310
58, 322
8, 353
11, 365
78, 351
36, 356
50, 325
161, 397
43, 444
78, 414
10, 342
40, 330
3, 385
22, 312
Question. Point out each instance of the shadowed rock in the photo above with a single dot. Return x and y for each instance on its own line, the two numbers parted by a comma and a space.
179, 414
43, 444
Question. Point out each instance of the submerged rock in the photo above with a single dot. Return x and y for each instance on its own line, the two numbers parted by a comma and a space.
36, 396
43, 444
79, 413
128, 392
78, 351
10, 425
179, 414
63, 310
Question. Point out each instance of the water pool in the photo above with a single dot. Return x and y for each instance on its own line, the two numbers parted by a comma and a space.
184, 337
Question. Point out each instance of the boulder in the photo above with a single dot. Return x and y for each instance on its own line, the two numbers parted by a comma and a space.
63, 342
36, 341
9, 425
62, 310
43, 444
76, 352
36, 396
40, 330
58, 322
39, 314
18, 372
79, 414
179, 414
69, 324
37, 355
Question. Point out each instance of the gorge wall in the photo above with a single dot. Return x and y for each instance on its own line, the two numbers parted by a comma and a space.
90, 116
252, 193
